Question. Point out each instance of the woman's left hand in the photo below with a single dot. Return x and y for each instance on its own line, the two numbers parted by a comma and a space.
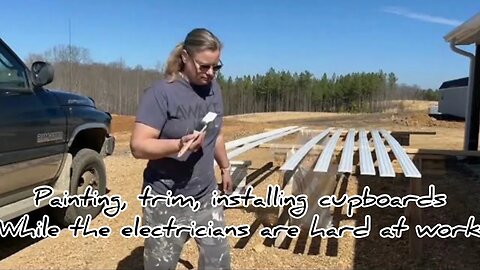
227, 182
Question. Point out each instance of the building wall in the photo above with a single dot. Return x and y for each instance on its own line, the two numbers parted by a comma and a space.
453, 101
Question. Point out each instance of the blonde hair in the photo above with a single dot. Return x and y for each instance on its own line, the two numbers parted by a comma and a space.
197, 40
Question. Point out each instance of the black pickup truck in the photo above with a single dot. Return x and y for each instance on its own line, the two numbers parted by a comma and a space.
47, 137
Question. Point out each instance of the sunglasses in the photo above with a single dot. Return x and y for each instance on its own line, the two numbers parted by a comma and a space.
206, 67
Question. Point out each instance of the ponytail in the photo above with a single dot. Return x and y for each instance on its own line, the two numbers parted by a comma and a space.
174, 63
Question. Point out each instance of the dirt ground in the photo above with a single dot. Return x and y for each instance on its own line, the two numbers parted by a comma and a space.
373, 252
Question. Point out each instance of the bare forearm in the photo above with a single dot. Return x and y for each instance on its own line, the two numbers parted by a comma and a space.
221, 153
154, 148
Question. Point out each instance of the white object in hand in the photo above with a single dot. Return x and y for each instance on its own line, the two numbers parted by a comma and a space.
208, 118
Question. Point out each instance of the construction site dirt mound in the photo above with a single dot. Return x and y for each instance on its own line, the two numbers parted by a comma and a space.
421, 119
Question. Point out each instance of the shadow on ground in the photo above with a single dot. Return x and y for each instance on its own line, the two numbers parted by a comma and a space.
375, 252
10, 245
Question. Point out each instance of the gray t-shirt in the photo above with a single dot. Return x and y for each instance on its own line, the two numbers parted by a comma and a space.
176, 109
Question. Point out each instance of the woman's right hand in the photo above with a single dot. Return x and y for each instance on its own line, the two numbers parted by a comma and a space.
198, 139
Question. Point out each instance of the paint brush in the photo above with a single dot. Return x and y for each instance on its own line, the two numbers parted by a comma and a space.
207, 119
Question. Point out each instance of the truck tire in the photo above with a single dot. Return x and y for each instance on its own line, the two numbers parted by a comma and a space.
88, 169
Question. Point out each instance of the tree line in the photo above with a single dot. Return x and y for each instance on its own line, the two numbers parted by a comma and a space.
118, 88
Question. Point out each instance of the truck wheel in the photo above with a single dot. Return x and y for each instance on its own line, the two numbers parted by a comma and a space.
88, 169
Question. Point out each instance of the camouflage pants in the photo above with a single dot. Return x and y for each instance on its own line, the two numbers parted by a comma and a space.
164, 252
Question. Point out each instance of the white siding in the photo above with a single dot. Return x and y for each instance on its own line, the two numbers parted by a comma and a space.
453, 101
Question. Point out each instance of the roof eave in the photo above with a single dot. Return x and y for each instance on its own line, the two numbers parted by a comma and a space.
466, 33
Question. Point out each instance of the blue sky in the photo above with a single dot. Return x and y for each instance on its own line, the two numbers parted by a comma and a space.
404, 37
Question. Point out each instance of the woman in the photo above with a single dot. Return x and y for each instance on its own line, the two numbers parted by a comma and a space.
170, 110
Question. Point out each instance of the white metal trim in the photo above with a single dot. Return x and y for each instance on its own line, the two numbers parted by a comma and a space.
293, 161
406, 163
254, 144
366, 161
242, 141
384, 164
324, 161
346, 161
